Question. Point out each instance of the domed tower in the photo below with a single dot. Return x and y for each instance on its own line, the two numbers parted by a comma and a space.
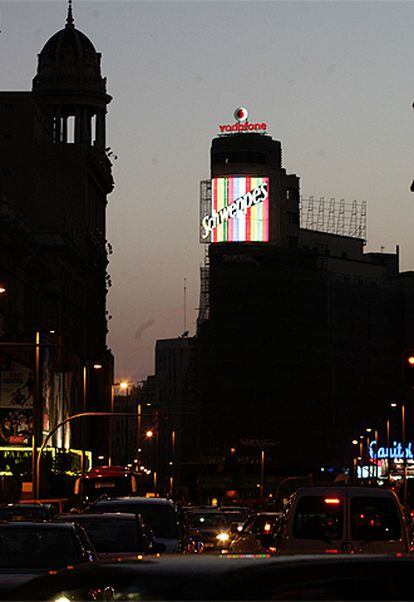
70, 85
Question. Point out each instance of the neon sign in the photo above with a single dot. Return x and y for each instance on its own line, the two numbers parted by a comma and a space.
396, 451
239, 210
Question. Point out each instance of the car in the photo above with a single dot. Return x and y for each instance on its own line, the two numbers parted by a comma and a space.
29, 548
236, 515
214, 527
258, 534
163, 516
233, 577
344, 519
116, 534
23, 511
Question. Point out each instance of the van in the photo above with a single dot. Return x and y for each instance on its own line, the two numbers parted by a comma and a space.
343, 519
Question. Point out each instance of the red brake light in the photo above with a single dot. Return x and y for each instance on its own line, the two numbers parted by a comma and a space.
332, 500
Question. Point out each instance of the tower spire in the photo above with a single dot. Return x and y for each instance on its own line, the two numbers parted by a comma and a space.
69, 20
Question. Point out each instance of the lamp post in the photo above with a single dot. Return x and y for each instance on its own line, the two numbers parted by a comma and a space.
139, 417
262, 469
151, 435
123, 385
85, 385
368, 441
172, 462
405, 452
354, 463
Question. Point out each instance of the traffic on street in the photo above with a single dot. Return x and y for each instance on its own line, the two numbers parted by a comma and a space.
312, 545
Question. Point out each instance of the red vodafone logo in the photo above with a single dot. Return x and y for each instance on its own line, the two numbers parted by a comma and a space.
241, 114
242, 124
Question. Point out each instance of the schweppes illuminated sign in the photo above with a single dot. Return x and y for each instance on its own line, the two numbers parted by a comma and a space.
239, 210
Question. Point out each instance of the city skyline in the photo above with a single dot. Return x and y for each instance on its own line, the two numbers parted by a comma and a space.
339, 101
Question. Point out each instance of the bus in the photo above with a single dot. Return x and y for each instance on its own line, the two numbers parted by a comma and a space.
112, 481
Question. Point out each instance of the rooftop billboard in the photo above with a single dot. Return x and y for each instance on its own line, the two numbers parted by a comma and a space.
237, 210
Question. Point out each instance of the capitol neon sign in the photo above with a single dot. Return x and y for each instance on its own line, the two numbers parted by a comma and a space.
395, 452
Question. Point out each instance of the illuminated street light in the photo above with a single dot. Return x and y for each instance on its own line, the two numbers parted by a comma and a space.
149, 434
368, 430
354, 442
123, 385
2, 289
97, 366
393, 404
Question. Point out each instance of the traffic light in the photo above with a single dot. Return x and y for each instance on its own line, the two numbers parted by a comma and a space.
408, 367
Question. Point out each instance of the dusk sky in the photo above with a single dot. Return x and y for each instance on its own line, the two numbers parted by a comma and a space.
334, 81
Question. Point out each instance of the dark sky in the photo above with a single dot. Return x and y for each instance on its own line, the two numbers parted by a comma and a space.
334, 81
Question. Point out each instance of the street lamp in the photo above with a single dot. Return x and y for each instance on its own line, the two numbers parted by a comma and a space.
262, 469
404, 444
85, 383
2, 289
123, 385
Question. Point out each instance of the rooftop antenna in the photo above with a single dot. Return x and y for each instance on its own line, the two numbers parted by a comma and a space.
185, 304
69, 19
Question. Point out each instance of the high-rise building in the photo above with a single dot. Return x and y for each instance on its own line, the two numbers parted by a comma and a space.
302, 342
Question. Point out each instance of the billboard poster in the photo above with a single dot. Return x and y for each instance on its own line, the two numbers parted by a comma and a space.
238, 210
16, 388
16, 426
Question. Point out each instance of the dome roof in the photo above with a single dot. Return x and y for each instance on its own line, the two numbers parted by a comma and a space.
68, 44
69, 61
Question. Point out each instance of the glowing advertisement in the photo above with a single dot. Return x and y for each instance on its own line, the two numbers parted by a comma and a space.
238, 212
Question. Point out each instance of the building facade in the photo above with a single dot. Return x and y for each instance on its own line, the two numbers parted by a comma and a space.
55, 179
302, 343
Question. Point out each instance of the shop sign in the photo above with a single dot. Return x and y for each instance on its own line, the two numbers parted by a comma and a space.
395, 452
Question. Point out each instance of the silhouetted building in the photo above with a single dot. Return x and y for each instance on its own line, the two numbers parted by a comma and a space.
302, 342
55, 179
174, 378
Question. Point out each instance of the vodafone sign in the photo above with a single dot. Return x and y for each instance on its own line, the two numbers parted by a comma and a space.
242, 124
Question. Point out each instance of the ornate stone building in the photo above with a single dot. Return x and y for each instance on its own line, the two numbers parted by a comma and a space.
54, 181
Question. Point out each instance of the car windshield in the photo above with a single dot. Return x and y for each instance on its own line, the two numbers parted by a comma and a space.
235, 517
113, 486
374, 519
160, 517
209, 520
111, 535
318, 517
31, 547
23, 511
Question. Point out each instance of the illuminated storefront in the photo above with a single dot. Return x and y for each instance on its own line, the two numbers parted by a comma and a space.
16, 459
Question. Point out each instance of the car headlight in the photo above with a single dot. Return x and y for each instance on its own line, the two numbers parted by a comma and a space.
223, 537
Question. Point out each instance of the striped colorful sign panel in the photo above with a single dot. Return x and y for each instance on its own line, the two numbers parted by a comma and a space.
239, 210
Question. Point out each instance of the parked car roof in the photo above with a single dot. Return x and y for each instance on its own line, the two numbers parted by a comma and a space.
244, 577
